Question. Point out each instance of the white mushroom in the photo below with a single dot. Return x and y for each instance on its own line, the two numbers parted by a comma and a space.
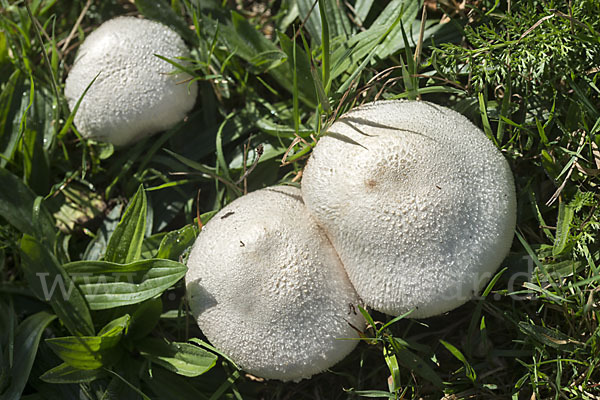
268, 290
417, 201
135, 94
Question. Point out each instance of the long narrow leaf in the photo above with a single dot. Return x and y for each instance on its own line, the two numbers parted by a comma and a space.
17, 207
125, 244
49, 281
563, 225
27, 340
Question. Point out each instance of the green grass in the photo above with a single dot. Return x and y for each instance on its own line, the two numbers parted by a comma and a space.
271, 83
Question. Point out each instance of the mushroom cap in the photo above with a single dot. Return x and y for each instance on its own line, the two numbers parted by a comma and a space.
135, 94
417, 201
268, 289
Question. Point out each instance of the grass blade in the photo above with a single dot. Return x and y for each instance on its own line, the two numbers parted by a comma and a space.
469, 371
326, 65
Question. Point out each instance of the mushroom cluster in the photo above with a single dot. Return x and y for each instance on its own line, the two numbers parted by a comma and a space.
405, 206
135, 93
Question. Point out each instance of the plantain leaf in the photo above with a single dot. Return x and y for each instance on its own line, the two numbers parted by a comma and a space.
64, 373
26, 343
182, 358
45, 276
125, 244
176, 242
144, 319
563, 225
108, 285
92, 352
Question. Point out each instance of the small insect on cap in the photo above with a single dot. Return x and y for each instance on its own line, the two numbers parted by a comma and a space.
268, 290
419, 204
135, 93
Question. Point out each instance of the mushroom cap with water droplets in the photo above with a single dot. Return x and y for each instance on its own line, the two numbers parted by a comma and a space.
268, 290
135, 93
417, 201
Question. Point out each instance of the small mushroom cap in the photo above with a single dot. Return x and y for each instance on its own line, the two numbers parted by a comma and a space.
135, 94
417, 201
268, 290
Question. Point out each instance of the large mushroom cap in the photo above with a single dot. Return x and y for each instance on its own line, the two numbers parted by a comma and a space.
417, 201
268, 289
135, 93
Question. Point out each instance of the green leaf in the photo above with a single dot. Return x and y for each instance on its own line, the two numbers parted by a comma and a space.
45, 276
407, 11
251, 45
26, 343
213, 349
12, 106
367, 317
176, 242
151, 244
92, 352
339, 25
413, 362
375, 394
363, 51
144, 319
563, 225
549, 337
17, 207
325, 38
108, 285
182, 358
97, 246
362, 8
3, 49
125, 244
392, 362
484, 119
64, 373
36, 137
306, 87
116, 326
169, 386
469, 371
